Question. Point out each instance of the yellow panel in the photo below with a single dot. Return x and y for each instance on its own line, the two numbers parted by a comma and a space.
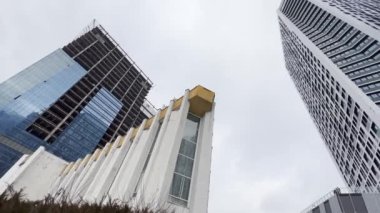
64, 168
134, 133
163, 113
77, 164
97, 154
68, 168
148, 123
108, 148
86, 159
120, 142
201, 100
177, 103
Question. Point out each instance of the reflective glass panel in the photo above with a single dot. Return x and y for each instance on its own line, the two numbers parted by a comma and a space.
180, 187
26, 95
84, 132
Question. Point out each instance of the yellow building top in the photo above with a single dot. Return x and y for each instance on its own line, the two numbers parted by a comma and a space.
201, 100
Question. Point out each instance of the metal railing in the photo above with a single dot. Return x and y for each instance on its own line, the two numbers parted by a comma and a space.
95, 24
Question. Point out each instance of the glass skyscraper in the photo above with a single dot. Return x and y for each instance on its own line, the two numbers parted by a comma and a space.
332, 53
73, 100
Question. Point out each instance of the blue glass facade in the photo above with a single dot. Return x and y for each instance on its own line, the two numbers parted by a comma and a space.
25, 96
7, 158
34, 75
34, 92
88, 127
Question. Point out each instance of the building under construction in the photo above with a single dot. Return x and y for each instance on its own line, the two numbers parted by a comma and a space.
73, 100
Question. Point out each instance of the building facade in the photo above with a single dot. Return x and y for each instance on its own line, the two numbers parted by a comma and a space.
165, 162
75, 99
332, 53
346, 201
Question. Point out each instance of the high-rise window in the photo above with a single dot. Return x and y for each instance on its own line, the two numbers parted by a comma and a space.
180, 187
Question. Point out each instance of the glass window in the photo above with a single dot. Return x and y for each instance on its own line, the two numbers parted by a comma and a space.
176, 186
88, 126
187, 148
180, 187
191, 128
25, 96
184, 165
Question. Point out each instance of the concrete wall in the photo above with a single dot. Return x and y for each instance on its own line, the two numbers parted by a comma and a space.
372, 202
35, 174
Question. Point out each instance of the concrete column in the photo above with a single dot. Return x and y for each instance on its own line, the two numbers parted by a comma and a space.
200, 181
111, 169
89, 177
65, 181
55, 187
160, 171
126, 181
90, 194
78, 169
86, 167
142, 196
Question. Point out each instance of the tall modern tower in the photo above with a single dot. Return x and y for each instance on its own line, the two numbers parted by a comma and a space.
332, 53
73, 100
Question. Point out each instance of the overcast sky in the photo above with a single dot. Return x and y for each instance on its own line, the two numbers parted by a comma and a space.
268, 156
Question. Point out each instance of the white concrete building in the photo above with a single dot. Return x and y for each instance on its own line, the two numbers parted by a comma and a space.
165, 162
332, 53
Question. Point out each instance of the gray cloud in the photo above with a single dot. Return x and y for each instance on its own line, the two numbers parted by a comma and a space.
267, 156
